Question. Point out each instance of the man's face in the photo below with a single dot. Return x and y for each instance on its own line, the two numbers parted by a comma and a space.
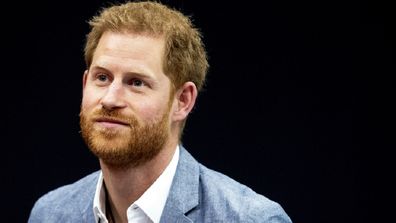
126, 100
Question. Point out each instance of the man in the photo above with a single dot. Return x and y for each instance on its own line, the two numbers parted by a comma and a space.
145, 66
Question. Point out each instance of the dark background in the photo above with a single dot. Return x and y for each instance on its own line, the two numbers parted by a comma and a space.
298, 104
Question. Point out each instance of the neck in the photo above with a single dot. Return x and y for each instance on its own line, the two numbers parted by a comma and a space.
125, 186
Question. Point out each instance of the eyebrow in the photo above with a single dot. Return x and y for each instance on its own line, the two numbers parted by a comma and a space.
146, 77
139, 74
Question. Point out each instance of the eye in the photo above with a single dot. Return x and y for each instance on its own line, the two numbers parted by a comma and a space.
102, 77
136, 83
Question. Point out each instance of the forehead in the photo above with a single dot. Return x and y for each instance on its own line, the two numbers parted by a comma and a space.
129, 49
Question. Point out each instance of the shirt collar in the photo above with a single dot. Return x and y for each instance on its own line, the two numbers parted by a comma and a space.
99, 200
153, 200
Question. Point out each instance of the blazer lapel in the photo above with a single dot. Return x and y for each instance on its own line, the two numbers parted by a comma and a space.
87, 201
184, 193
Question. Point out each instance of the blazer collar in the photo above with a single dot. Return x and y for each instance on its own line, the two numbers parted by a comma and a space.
183, 195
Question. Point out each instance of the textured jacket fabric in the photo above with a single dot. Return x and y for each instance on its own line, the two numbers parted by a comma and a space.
197, 194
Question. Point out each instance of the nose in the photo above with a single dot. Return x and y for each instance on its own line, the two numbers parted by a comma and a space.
114, 97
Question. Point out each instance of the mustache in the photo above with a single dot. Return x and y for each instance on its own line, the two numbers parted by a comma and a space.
115, 115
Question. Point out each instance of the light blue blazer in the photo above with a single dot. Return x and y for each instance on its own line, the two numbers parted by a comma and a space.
197, 194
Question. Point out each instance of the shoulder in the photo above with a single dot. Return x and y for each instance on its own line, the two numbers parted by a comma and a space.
224, 196
66, 201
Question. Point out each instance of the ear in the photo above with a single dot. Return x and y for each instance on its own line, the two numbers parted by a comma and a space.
185, 100
84, 79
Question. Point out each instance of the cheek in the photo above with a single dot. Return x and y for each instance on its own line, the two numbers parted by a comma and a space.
148, 112
153, 111
88, 100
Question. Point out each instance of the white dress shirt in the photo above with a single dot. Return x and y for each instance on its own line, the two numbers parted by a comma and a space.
148, 208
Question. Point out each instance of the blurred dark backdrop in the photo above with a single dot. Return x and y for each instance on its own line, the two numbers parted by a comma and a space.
298, 104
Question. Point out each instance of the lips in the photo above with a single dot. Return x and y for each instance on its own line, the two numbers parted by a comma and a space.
111, 121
